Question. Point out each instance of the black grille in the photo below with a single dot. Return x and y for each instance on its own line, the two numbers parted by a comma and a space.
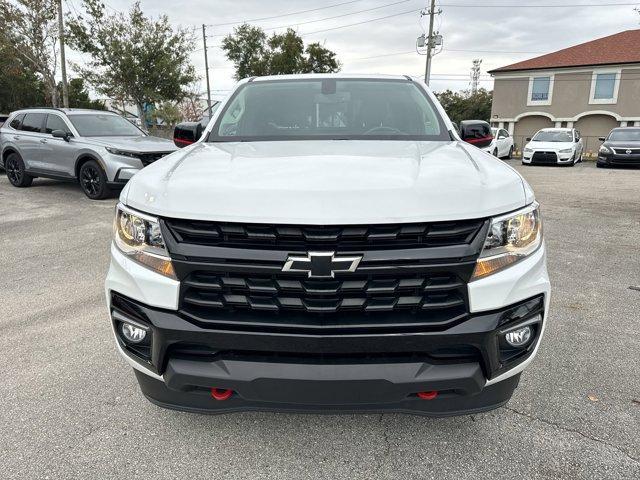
354, 294
304, 238
149, 158
544, 157
623, 151
411, 277
403, 299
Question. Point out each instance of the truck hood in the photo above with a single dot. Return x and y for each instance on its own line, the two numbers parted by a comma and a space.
327, 182
142, 144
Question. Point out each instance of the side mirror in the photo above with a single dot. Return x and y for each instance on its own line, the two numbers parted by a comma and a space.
187, 133
602, 139
476, 132
528, 139
61, 134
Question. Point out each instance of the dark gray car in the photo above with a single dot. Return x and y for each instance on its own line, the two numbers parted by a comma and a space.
100, 150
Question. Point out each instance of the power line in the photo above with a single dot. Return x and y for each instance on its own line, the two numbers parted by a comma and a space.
445, 50
284, 14
565, 5
360, 23
330, 18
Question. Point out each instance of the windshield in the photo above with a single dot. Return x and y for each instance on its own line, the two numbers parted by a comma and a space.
553, 136
331, 109
104, 125
626, 135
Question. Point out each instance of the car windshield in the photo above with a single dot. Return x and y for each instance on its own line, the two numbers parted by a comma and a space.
553, 136
104, 125
630, 135
331, 109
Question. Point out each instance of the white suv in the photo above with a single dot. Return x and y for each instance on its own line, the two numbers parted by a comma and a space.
329, 243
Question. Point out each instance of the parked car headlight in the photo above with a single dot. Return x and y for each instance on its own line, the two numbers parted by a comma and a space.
123, 153
510, 239
528, 150
138, 236
567, 150
604, 149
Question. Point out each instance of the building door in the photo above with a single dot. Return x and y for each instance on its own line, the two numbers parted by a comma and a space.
593, 126
527, 127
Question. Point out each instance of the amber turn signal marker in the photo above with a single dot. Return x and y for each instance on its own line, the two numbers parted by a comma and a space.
487, 266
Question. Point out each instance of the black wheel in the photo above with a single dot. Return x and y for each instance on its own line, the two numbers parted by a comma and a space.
93, 181
510, 154
495, 152
15, 171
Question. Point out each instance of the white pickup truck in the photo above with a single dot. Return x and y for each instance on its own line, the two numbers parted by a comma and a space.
329, 243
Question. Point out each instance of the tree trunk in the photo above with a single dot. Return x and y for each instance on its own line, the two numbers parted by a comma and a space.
141, 115
53, 92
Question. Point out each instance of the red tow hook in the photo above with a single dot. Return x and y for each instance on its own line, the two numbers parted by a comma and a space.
221, 394
428, 395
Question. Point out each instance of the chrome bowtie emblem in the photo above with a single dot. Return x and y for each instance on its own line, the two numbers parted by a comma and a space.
628, 152
322, 264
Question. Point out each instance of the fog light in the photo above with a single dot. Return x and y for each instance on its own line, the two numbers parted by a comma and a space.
518, 338
132, 333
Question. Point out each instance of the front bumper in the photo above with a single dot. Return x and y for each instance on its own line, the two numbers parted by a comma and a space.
382, 372
560, 158
326, 372
622, 160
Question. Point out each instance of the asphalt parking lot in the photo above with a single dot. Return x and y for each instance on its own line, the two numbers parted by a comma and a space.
70, 406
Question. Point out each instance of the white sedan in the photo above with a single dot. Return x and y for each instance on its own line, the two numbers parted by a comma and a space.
502, 144
554, 146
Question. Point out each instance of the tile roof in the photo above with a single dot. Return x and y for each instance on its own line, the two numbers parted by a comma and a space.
623, 47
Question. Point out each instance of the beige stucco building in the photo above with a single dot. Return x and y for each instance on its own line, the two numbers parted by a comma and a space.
593, 87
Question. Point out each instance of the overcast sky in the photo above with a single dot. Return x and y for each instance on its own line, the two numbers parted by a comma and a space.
499, 32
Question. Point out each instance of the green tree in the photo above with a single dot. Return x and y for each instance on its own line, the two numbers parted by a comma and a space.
466, 105
254, 54
19, 85
169, 113
29, 33
79, 95
132, 56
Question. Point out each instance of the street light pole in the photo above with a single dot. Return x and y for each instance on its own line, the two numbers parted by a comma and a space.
63, 62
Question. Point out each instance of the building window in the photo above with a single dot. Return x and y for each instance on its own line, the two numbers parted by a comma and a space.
540, 90
604, 86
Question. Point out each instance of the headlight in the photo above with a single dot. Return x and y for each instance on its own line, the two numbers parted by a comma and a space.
567, 150
510, 238
139, 237
122, 153
604, 149
528, 150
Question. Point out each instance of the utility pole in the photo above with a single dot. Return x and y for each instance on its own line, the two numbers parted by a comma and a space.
206, 66
475, 75
63, 61
430, 39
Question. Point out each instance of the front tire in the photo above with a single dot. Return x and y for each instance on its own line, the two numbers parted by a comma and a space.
16, 171
495, 153
93, 181
510, 154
